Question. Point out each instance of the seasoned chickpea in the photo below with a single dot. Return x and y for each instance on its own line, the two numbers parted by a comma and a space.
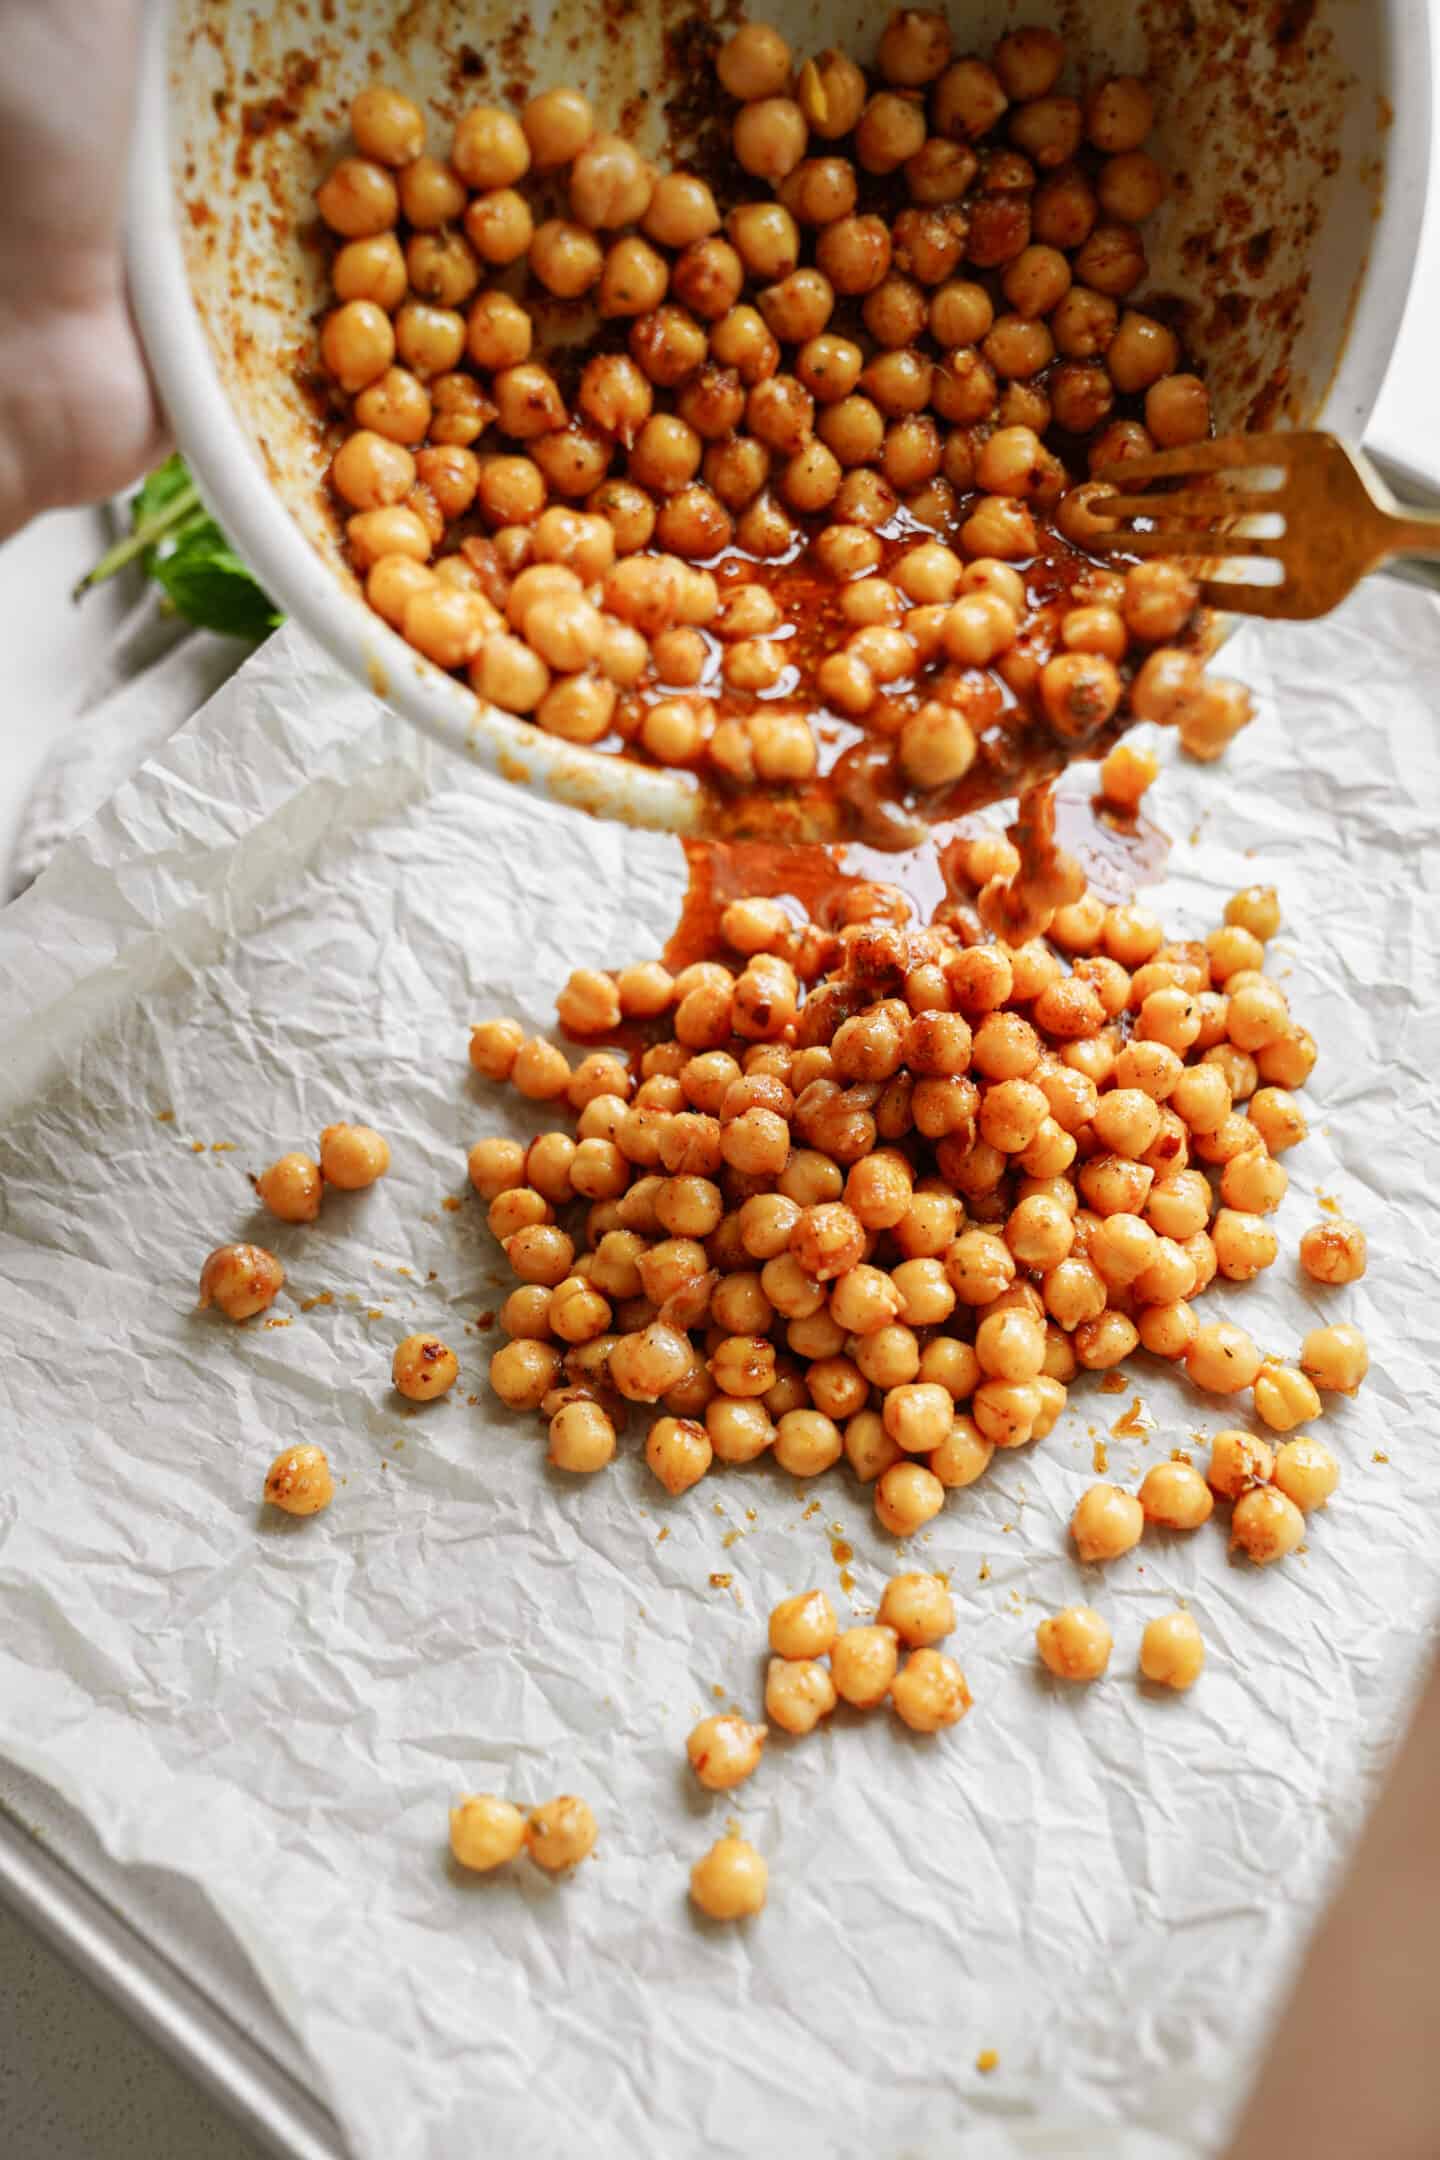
291, 1188
241, 1279
798, 1694
424, 1367
678, 1451
1171, 1651
560, 1834
907, 1496
353, 1156
1306, 1472
1176, 1496
370, 269
523, 1373
358, 199
557, 124
724, 1751
357, 343
930, 1692
1265, 1525
1238, 1460
486, 1831
582, 1438
863, 1663
729, 1881
1335, 1358
1334, 1252
1244, 1244
1075, 1644
1106, 1523
919, 1608
803, 1626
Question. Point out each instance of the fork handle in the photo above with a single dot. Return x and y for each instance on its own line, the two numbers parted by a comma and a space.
1417, 523
1415, 569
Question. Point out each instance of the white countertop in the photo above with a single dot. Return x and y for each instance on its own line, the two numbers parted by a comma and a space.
76, 2082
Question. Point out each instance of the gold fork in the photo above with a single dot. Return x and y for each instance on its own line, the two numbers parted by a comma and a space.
1337, 519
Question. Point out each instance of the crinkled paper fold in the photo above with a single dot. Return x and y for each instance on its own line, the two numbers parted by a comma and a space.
292, 915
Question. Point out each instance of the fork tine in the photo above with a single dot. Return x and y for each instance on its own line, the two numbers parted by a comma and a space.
1227, 453
1196, 502
1285, 602
1175, 540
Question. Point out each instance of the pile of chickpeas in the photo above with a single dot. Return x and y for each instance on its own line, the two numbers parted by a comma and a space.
880, 1191
889, 349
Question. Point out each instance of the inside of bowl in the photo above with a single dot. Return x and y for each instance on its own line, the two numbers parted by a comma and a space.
1272, 124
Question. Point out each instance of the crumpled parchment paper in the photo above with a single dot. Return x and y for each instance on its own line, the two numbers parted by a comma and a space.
292, 915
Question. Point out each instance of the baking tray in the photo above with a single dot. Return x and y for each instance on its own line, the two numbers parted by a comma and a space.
154, 1949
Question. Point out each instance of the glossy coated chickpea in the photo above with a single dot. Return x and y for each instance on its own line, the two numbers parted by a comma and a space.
723, 1751
358, 199
560, 1834
523, 1373
803, 1626
1244, 1244
1238, 1460
907, 1496
291, 1188
1306, 1472
353, 1156
1106, 1523
485, 1832
1265, 1525
930, 1692
423, 1367
1334, 1252
371, 269
357, 343
1176, 1496
1171, 1652
582, 1438
678, 1452
1075, 1644
798, 1694
557, 124
241, 1279
863, 1663
1335, 1358
729, 1881
919, 1608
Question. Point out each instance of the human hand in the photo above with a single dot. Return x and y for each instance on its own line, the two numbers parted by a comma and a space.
78, 418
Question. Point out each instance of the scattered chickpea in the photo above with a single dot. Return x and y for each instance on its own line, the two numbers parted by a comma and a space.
803, 1626
863, 1664
1075, 1644
423, 1367
486, 1832
729, 1881
241, 1279
1335, 1358
1106, 1523
1265, 1524
1176, 1496
919, 1608
1333, 1252
299, 1481
1172, 1653
353, 1156
292, 1188
930, 1692
560, 1834
724, 1751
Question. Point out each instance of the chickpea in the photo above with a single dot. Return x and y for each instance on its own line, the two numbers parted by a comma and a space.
1244, 1244
1175, 1495
798, 1695
1112, 260
1334, 1252
930, 1692
1222, 1359
424, 1367
679, 1453
557, 124
1106, 1523
803, 1626
863, 1663
582, 1438
1238, 1460
729, 1881
919, 1608
485, 1832
1075, 1644
918, 1416
291, 1188
807, 1442
724, 1751
739, 1430
1171, 1651
744, 1365
370, 269
1335, 1358
523, 1373
610, 183
353, 1156
357, 344
1306, 1472
1265, 1525
769, 137
358, 199
831, 94
241, 1279
907, 1496
560, 1834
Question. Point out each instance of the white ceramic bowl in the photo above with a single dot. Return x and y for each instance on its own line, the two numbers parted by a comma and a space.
1297, 136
